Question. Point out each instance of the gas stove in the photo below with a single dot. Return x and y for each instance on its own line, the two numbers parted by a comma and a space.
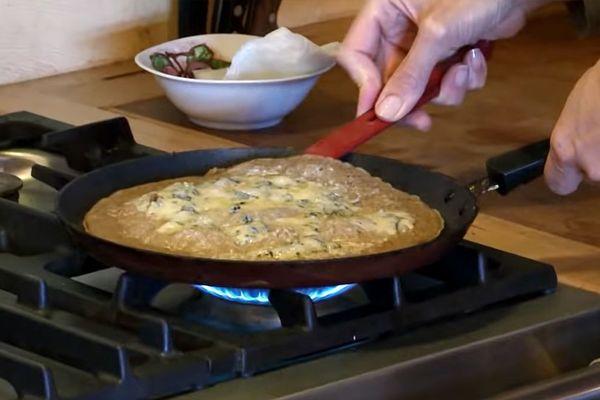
478, 323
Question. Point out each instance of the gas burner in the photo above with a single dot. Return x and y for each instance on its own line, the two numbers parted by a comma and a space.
10, 186
261, 296
253, 316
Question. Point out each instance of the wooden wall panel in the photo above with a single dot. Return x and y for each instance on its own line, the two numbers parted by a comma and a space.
303, 12
46, 37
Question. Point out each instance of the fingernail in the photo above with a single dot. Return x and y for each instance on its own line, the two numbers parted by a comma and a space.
476, 59
389, 108
461, 76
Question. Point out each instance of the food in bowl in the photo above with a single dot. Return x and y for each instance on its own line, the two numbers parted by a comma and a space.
297, 208
280, 54
187, 63
267, 79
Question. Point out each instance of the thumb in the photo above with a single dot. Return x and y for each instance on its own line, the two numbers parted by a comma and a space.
407, 84
561, 172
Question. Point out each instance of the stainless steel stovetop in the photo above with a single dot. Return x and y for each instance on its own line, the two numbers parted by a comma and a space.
538, 349
76, 329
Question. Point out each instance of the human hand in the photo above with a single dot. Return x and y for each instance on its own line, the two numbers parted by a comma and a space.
575, 141
393, 45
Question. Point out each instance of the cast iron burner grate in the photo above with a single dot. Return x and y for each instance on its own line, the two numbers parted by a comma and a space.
63, 339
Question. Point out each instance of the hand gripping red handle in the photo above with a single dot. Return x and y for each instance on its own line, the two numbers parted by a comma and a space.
351, 135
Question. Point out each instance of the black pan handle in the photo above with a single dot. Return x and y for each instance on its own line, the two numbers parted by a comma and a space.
512, 169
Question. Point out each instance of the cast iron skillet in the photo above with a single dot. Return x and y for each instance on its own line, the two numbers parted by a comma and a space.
456, 203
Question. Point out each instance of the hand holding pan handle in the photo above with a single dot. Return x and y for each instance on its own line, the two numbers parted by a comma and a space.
514, 168
351, 135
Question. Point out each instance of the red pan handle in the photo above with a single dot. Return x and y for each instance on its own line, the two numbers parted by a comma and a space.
351, 135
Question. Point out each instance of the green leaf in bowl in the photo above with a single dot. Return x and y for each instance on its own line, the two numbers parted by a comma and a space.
159, 61
202, 53
218, 64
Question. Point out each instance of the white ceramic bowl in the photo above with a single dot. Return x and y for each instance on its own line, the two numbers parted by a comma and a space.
229, 104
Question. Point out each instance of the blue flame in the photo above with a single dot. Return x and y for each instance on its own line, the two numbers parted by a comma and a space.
261, 296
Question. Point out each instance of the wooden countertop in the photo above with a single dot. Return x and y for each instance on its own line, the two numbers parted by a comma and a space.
530, 77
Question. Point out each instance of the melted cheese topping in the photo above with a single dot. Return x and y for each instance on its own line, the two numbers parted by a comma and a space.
235, 206
303, 207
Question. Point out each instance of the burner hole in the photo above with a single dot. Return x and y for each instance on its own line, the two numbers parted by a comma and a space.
462, 210
449, 196
10, 186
